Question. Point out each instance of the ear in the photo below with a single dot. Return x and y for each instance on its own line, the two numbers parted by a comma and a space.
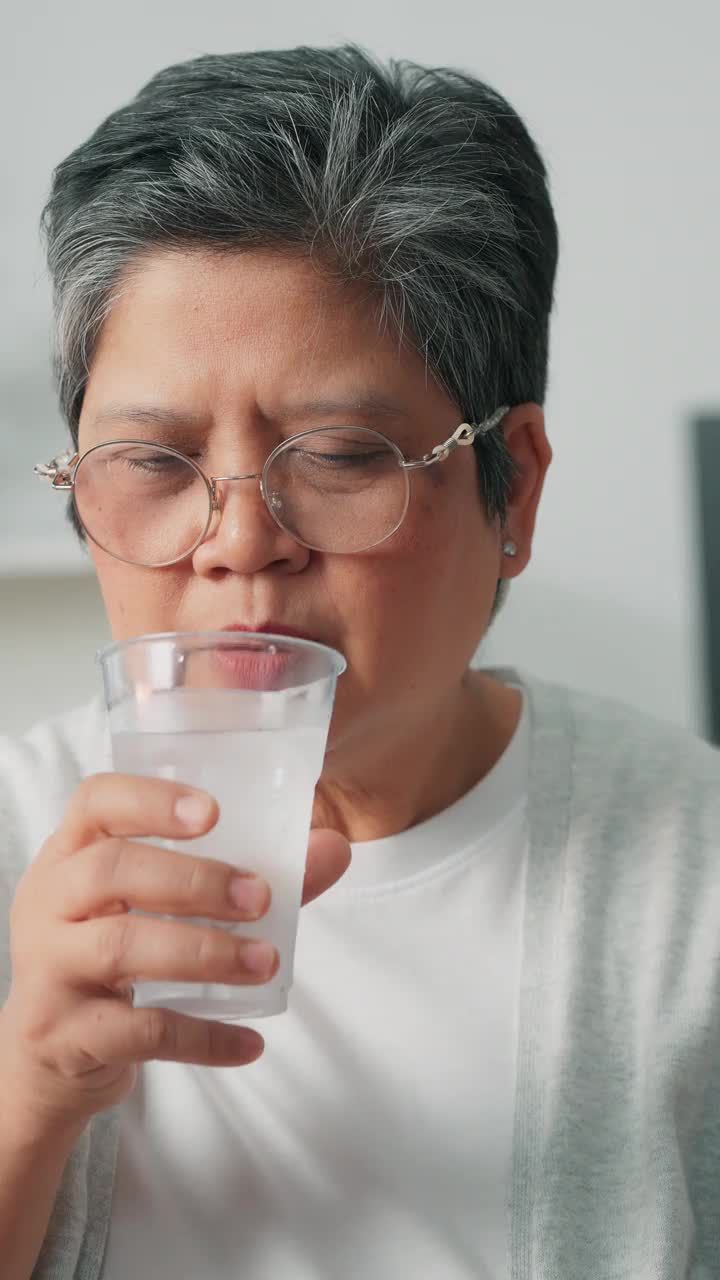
524, 430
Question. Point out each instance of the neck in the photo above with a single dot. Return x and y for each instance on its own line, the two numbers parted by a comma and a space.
429, 758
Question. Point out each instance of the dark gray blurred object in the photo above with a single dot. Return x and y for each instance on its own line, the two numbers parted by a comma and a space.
707, 469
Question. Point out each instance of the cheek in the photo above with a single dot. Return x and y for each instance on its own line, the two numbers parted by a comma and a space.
440, 549
369, 588
137, 601
396, 602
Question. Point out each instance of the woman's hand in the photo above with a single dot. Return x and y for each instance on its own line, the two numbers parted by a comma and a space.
70, 1039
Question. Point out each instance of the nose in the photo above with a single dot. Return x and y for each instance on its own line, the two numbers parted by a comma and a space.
243, 538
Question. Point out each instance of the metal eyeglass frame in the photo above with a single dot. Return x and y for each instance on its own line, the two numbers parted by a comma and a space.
61, 472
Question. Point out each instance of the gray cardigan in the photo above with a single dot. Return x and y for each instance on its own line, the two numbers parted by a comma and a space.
616, 1151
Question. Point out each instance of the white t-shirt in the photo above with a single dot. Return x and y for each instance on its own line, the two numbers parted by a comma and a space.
373, 1138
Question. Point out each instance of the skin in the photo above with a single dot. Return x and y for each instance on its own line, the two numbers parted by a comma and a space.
235, 343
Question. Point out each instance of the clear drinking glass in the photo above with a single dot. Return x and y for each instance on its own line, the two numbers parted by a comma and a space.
245, 717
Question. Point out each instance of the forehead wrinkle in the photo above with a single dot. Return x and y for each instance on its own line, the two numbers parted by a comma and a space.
369, 402
152, 415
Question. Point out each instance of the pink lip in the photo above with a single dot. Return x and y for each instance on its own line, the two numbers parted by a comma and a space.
248, 670
252, 670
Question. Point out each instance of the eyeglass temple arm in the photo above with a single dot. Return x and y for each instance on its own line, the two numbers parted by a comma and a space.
464, 435
58, 471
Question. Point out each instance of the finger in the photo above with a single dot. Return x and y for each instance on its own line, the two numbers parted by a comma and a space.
119, 873
110, 951
328, 858
121, 804
114, 1033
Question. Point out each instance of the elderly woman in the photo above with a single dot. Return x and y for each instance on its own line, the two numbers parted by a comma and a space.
502, 1052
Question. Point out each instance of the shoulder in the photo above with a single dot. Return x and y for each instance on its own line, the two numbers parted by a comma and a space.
70, 745
640, 820
625, 750
651, 792
40, 769
633, 796
643, 759
38, 773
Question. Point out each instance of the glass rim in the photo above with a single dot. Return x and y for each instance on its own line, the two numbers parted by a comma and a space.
230, 639
208, 483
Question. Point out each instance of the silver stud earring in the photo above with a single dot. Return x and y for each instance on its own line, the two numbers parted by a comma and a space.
509, 549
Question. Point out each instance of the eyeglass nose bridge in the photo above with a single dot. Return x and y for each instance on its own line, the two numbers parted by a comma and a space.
216, 480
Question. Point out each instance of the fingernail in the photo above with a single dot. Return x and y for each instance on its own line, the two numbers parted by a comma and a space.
259, 958
249, 894
192, 809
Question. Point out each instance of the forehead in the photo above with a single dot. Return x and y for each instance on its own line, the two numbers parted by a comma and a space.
232, 338
197, 313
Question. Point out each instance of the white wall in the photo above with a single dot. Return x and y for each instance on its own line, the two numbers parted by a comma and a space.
625, 106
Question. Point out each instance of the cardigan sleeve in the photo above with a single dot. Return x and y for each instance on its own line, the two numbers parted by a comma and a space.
703, 1169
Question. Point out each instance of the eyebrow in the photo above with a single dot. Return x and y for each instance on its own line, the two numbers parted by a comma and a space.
368, 402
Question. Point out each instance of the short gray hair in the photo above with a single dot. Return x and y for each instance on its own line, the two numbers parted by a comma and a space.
423, 182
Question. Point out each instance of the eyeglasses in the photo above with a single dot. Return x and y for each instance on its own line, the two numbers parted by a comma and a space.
333, 489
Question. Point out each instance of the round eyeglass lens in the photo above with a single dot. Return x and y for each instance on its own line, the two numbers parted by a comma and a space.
338, 489
142, 503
